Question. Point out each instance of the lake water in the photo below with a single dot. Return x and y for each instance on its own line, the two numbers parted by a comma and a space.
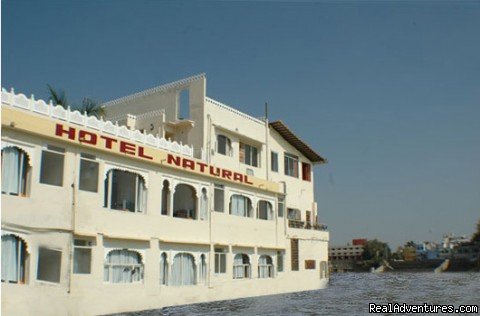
347, 294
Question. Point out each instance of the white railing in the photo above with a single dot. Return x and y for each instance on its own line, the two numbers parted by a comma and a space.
226, 107
77, 118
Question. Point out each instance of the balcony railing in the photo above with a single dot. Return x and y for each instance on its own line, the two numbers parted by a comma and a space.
302, 225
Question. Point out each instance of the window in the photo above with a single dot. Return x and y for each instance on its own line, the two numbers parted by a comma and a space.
291, 165
125, 191
240, 205
274, 161
183, 270
49, 265
264, 210
123, 266
219, 198
306, 171
294, 214
241, 266
279, 261
265, 267
204, 205
184, 201
310, 264
294, 254
14, 257
82, 256
51, 168
88, 178
165, 197
323, 269
224, 145
248, 155
163, 269
203, 270
281, 206
15, 170
220, 261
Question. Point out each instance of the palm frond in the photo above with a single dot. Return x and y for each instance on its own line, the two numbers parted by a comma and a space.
92, 108
57, 97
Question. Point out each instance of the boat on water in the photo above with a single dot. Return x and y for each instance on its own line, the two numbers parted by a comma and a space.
171, 198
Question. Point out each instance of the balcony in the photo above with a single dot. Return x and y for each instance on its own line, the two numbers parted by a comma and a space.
302, 225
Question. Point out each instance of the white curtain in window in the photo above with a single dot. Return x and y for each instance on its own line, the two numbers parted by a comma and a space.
11, 170
264, 266
123, 266
203, 270
239, 205
12, 260
183, 270
269, 211
204, 206
141, 195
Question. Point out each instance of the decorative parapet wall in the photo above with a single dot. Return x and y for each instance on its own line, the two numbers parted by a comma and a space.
75, 117
237, 112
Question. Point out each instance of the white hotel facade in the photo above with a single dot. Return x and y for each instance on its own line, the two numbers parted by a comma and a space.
146, 208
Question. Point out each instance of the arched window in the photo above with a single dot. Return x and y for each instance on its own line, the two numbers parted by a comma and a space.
165, 197
163, 269
184, 201
241, 266
14, 255
240, 205
183, 270
203, 270
264, 210
265, 267
204, 205
123, 266
125, 191
224, 145
15, 170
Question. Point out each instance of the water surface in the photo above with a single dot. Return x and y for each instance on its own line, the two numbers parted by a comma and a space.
347, 294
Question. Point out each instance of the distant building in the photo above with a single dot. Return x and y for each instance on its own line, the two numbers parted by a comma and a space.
343, 257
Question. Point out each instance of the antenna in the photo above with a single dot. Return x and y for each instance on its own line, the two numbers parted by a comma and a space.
266, 111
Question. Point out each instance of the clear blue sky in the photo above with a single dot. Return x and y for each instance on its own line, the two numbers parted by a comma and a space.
388, 92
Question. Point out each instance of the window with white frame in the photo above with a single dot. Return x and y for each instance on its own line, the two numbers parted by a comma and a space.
274, 161
241, 266
240, 205
264, 210
219, 198
125, 191
51, 167
183, 270
203, 270
123, 266
164, 269
165, 197
49, 265
15, 171
220, 261
265, 267
248, 154
281, 206
224, 145
291, 165
280, 259
82, 256
88, 177
14, 257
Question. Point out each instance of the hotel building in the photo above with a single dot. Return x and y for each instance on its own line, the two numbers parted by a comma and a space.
171, 198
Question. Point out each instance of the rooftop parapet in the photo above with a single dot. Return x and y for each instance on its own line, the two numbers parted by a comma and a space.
40, 107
